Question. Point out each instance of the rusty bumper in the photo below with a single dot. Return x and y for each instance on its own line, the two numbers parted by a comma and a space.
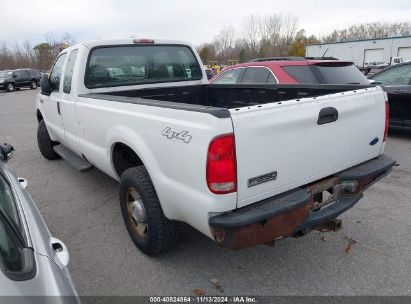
299, 211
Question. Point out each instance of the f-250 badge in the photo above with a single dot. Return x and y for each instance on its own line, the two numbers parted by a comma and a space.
183, 135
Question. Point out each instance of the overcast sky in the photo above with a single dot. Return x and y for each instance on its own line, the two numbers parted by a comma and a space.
195, 21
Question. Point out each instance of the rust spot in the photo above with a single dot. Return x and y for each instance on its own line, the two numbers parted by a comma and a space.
332, 185
322, 185
257, 233
268, 230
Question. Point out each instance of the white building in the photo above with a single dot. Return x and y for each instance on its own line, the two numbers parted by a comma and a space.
362, 52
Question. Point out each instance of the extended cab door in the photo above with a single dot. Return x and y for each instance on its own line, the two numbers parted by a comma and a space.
68, 104
51, 104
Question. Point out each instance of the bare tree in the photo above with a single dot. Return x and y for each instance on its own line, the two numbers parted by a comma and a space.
23, 55
279, 35
251, 30
207, 52
224, 42
370, 31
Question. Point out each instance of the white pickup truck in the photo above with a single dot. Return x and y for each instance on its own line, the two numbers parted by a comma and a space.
243, 164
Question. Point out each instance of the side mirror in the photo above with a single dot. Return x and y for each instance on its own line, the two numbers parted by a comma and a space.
45, 84
14, 76
6, 151
372, 81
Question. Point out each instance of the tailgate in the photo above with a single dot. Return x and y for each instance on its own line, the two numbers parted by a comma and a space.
281, 146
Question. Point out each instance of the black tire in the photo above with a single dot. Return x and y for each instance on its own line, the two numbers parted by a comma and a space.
33, 84
10, 87
161, 233
45, 143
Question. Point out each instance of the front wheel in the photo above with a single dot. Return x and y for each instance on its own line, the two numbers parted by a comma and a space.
149, 229
10, 87
45, 143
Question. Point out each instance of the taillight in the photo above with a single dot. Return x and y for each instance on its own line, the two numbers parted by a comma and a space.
387, 119
221, 165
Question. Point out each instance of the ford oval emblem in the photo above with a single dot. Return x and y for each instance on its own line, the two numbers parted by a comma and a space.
374, 141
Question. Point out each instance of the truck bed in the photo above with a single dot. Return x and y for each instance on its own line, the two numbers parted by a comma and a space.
222, 96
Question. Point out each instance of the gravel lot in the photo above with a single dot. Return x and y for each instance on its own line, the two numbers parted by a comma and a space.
82, 210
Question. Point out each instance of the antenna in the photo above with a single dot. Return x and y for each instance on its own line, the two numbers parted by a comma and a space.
325, 52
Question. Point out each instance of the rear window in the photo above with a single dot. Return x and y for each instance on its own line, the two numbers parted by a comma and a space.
139, 64
327, 73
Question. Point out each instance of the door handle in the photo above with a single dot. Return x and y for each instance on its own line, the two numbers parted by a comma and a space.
327, 115
58, 108
60, 251
23, 182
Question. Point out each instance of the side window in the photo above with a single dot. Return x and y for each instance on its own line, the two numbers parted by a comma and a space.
7, 202
25, 75
271, 79
17, 75
255, 75
230, 77
68, 73
301, 73
10, 246
400, 75
55, 74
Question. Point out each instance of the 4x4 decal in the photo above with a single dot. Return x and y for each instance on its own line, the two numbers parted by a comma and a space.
182, 135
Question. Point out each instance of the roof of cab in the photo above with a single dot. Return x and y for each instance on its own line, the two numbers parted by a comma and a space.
128, 41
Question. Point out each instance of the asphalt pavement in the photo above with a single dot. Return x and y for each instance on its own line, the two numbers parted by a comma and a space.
82, 209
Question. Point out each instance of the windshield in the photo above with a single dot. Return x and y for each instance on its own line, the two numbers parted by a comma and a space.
5, 74
130, 65
398, 75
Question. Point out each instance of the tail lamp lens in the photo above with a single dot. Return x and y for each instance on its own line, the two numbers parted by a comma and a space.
387, 119
221, 165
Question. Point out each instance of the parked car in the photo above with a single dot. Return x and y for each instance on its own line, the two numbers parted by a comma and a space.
15, 79
396, 81
245, 165
291, 70
377, 65
32, 262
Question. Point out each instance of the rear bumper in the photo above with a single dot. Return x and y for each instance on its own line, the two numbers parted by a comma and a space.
298, 211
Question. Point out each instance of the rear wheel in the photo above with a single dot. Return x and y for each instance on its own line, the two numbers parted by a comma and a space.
33, 84
10, 87
45, 143
149, 229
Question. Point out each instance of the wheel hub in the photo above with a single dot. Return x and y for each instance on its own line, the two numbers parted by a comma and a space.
138, 211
